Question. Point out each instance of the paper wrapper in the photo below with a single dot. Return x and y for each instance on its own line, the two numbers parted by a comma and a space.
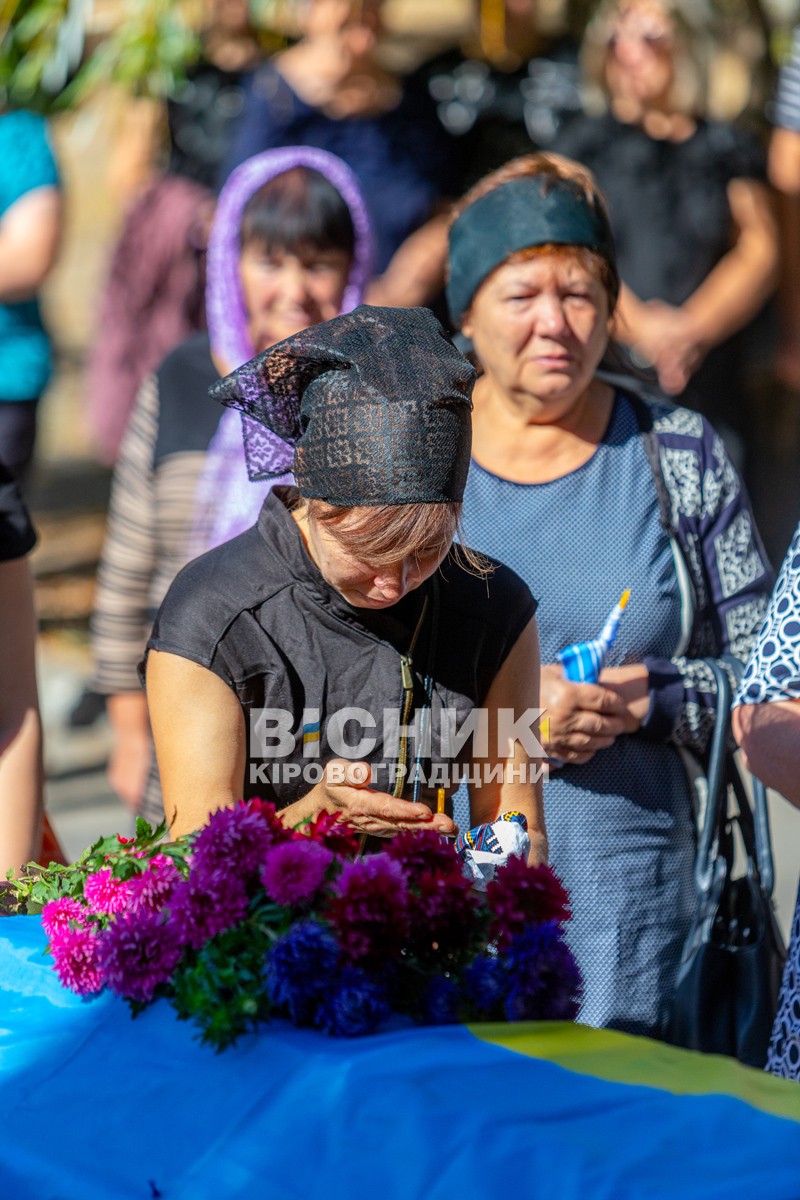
486, 847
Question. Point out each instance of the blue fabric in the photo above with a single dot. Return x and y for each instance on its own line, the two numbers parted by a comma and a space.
26, 163
97, 1105
400, 157
620, 827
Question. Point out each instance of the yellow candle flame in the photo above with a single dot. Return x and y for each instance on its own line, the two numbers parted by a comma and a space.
624, 598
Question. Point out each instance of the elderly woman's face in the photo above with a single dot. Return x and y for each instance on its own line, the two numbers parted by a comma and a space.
540, 328
286, 291
640, 64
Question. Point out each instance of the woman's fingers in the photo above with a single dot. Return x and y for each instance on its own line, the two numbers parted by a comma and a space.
380, 813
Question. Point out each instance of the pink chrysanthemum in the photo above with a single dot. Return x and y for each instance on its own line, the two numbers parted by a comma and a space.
294, 871
76, 958
152, 889
105, 895
57, 914
138, 951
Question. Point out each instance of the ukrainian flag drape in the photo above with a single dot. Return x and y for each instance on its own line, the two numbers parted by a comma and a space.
97, 1106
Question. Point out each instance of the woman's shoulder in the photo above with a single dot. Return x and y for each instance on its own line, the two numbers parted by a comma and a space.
208, 596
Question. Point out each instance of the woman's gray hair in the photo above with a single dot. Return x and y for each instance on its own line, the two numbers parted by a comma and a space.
692, 21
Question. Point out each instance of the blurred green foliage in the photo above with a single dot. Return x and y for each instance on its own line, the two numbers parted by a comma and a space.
48, 64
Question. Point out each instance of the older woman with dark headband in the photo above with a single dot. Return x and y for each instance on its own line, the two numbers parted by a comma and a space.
585, 489
291, 661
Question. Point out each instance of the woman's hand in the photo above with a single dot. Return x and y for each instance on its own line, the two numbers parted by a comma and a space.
584, 717
371, 812
669, 340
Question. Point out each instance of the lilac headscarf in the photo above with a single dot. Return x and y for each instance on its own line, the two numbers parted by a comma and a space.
227, 501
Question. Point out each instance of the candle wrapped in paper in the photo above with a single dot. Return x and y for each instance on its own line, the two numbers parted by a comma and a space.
486, 848
583, 661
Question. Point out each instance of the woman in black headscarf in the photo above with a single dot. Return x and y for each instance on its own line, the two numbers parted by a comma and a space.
320, 635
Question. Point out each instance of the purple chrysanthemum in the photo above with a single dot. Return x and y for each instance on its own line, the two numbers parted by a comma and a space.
76, 958
486, 981
235, 841
152, 889
57, 914
545, 980
294, 872
441, 1002
138, 951
202, 908
355, 1005
105, 895
520, 896
299, 969
370, 910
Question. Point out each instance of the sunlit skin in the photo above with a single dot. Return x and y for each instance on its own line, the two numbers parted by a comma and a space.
362, 585
285, 292
540, 328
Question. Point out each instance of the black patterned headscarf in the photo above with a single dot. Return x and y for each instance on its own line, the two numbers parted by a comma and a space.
375, 403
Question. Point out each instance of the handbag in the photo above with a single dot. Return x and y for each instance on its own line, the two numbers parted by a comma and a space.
726, 995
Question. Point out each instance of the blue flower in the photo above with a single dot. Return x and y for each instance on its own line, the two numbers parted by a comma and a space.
355, 1005
441, 1002
546, 982
299, 970
486, 982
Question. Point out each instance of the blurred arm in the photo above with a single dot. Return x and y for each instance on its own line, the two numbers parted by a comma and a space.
769, 735
30, 231
21, 770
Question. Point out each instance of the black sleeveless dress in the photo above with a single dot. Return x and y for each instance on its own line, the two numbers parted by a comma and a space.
258, 613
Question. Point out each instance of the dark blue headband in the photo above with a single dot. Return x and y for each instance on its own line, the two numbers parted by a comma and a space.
533, 211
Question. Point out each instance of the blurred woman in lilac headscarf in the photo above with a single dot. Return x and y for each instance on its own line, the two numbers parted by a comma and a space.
290, 247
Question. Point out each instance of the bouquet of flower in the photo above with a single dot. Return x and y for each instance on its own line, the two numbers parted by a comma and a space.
248, 919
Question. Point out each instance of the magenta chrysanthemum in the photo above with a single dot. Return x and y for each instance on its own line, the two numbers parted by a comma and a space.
422, 851
139, 951
295, 871
200, 909
57, 914
441, 912
370, 910
76, 958
520, 896
153, 888
105, 895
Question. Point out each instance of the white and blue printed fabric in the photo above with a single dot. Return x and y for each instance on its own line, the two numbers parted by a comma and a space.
773, 674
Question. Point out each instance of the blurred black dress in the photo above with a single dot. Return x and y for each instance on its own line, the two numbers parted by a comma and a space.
672, 223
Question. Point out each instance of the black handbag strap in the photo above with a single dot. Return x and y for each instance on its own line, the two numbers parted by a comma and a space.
754, 822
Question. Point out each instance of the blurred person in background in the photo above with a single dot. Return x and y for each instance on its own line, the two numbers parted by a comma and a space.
507, 90
689, 206
154, 296
330, 91
30, 230
289, 247
585, 489
780, 438
21, 770
766, 723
